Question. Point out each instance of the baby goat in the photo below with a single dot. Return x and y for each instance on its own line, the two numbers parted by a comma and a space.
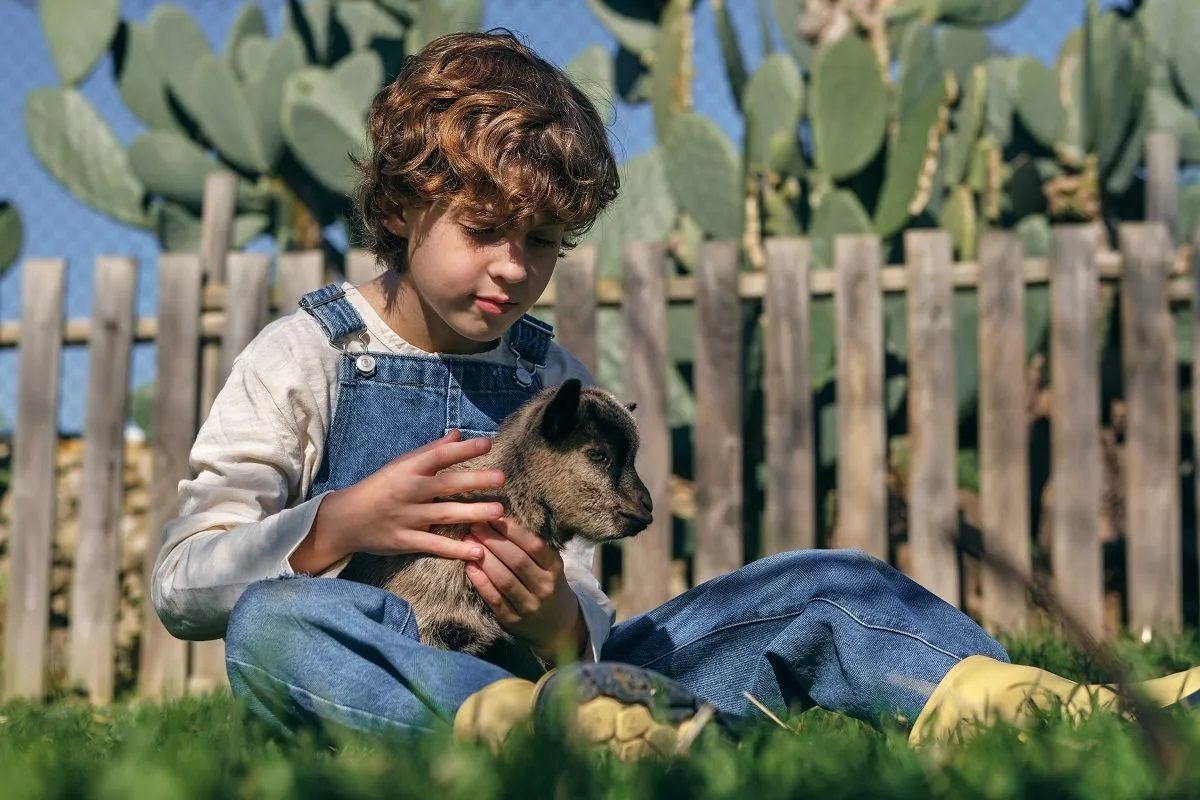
567, 456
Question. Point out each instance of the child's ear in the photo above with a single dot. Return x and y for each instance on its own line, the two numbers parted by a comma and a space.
396, 223
561, 414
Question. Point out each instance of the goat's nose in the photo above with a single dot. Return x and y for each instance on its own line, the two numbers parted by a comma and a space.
643, 496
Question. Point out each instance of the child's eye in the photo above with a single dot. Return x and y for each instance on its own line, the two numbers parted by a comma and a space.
542, 241
482, 233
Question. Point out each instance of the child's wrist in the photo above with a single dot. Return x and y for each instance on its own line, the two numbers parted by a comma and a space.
322, 547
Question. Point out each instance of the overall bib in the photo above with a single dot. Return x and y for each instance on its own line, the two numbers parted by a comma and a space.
838, 629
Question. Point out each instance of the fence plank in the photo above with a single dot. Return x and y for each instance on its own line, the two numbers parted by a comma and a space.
297, 274
246, 314
1162, 180
717, 433
362, 267
95, 590
1075, 428
1003, 432
791, 472
163, 663
575, 305
35, 441
248, 277
932, 416
216, 226
1152, 531
861, 423
647, 558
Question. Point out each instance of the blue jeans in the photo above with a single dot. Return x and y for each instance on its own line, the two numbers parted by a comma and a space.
835, 628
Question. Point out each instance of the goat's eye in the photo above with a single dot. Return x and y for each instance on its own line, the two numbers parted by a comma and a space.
598, 456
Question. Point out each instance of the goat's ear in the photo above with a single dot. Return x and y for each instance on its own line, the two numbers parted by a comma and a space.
562, 412
631, 406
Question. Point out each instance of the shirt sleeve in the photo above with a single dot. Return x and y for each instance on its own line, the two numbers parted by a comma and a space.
235, 525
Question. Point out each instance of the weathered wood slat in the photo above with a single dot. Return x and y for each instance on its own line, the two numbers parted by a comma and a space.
932, 416
218, 207
717, 435
297, 274
1075, 428
249, 274
94, 582
647, 557
1152, 531
35, 443
220, 197
1003, 433
362, 267
861, 423
163, 665
791, 473
574, 287
1162, 181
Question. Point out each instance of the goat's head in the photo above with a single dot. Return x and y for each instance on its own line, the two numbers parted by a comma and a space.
576, 447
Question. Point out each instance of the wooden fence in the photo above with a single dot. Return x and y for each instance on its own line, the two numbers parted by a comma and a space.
212, 303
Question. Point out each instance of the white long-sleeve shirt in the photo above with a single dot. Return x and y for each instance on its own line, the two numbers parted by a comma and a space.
244, 513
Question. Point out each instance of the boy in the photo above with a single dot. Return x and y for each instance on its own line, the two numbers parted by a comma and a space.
324, 442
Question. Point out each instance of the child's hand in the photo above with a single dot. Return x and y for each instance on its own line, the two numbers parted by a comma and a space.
522, 579
390, 512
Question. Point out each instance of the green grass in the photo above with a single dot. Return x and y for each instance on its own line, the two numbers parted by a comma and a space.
206, 747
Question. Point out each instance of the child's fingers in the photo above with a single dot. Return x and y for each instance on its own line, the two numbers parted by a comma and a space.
448, 484
457, 513
453, 436
432, 543
491, 595
534, 545
438, 458
519, 598
536, 579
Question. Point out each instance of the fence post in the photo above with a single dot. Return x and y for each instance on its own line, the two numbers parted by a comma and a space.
1152, 531
1003, 431
35, 444
717, 432
95, 587
162, 669
1075, 425
791, 474
861, 422
646, 566
297, 274
932, 415
1162, 180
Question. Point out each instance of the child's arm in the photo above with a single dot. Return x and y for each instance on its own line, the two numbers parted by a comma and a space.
252, 462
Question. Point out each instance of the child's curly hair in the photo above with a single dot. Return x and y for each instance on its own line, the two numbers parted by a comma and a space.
482, 123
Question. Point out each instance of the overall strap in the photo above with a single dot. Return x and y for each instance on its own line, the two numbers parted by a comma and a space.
529, 341
329, 306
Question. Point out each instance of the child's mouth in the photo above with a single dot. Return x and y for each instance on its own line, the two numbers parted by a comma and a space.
491, 306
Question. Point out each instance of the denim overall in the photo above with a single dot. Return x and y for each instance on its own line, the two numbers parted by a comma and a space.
838, 629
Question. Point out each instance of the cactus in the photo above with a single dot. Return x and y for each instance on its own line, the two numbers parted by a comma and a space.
644, 211
961, 49
731, 51
960, 219
920, 69
10, 235
848, 107
838, 213
81, 152
1038, 105
968, 124
712, 196
912, 159
1186, 232
773, 103
593, 72
78, 32
284, 112
671, 76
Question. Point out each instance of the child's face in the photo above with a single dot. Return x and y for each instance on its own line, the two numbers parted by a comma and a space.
466, 284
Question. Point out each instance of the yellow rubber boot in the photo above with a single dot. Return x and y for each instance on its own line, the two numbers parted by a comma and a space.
631, 711
981, 689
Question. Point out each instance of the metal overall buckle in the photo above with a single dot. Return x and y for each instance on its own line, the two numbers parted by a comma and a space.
364, 362
521, 375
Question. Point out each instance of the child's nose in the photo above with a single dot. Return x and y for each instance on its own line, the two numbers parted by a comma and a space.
510, 269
